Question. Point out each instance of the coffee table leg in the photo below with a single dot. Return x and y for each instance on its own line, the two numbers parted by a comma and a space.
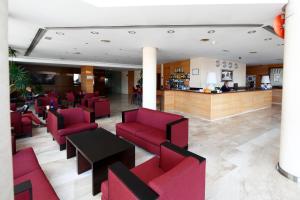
98, 176
128, 158
71, 150
82, 164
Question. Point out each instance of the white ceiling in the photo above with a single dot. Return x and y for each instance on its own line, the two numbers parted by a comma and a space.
26, 17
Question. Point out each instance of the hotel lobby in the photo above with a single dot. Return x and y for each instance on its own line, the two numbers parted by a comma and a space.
149, 100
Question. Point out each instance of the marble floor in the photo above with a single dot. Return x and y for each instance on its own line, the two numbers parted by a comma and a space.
241, 154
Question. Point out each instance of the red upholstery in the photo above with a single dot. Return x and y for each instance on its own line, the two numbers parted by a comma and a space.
75, 120
182, 176
26, 167
148, 128
41, 103
22, 124
70, 97
13, 106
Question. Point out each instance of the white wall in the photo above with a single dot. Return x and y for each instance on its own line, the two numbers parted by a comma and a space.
124, 82
207, 65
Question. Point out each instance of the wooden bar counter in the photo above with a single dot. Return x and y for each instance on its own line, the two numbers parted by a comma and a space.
215, 106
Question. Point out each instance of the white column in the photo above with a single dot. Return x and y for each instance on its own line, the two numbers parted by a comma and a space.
6, 180
149, 77
289, 162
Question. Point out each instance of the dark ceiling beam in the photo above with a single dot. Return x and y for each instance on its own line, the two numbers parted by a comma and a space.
38, 36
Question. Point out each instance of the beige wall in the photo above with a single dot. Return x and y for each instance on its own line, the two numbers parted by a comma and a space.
206, 65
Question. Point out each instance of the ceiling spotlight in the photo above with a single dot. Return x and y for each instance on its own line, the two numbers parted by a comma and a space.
251, 32
94, 32
48, 38
211, 31
267, 39
132, 32
204, 40
170, 31
105, 41
76, 53
225, 50
60, 33
280, 45
252, 52
240, 57
86, 43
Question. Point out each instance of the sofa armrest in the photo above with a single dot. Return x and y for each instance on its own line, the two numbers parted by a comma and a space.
129, 115
126, 185
23, 187
177, 132
89, 115
55, 120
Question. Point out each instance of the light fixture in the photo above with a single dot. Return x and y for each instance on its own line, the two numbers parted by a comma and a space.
86, 43
105, 41
252, 32
76, 53
211, 31
213, 42
240, 58
132, 32
48, 38
225, 50
204, 40
60, 33
252, 52
94, 32
280, 45
170, 31
267, 39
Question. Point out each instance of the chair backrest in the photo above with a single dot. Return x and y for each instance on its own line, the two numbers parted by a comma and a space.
72, 115
16, 121
158, 120
70, 97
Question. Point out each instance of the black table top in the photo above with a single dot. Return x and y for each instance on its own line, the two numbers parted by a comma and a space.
98, 144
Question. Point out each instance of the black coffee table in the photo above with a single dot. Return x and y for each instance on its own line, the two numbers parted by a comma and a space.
96, 150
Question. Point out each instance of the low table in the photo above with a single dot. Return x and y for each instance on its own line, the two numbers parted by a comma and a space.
96, 150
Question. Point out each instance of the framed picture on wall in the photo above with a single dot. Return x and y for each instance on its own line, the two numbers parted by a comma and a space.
195, 71
226, 75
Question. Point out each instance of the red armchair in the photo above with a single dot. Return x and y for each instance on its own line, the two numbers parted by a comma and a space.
30, 181
22, 125
149, 128
101, 106
176, 174
69, 121
41, 103
70, 98
13, 106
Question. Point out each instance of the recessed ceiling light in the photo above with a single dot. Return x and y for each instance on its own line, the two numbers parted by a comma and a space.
204, 40
131, 32
60, 33
211, 31
48, 38
252, 52
170, 31
225, 50
94, 32
240, 58
252, 32
105, 41
280, 45
86, 43
77, 53
267, 39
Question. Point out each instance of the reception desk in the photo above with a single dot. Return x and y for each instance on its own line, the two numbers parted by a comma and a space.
215, 106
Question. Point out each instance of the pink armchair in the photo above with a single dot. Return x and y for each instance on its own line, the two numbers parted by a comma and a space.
69, 121
176, 174
101, 106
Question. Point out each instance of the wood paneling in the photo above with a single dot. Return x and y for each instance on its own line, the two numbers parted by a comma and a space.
130, 81
87, 79
216, 106
169, 68
260, 70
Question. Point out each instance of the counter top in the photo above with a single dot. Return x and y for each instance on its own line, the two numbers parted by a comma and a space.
233, 91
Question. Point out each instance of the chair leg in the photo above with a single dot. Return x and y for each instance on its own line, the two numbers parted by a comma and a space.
62, 147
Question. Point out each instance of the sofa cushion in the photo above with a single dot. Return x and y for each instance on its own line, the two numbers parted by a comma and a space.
41, 188
76, 128
104, 190
148, 170
155, 118
26, 121
72, 116
132, 127
24, 161
152, 135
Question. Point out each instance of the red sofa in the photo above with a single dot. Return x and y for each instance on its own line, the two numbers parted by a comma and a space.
149, 128
176, 174
30, 182
22, 125
69, 121
101, 106
41, 103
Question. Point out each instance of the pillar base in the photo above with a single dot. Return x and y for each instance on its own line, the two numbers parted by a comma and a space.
289, 176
